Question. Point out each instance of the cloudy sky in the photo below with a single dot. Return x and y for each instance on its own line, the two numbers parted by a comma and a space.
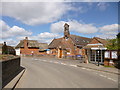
43, 21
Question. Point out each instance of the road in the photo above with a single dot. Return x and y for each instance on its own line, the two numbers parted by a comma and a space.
48, 73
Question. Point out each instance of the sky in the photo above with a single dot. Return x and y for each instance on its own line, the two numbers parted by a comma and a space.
44, 21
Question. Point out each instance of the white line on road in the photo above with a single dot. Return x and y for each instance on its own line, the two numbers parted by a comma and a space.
55, 62
83, 68
43, 60
64, 64
107, 77
73, 65
102, 75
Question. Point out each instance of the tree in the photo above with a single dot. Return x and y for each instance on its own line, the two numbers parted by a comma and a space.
114, 44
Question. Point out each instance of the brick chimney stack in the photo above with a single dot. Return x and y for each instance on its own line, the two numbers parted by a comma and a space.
26, 43
26, 38
5, 43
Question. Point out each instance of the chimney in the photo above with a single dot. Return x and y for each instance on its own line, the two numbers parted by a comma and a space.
25, 43
26, 38
66, 30
4, 43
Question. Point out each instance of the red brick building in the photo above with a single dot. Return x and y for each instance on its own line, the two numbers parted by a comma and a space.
95, 50
69, 45
31, 47
5, 49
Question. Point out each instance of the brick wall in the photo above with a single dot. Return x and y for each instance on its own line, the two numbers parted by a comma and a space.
9, 70
29, 51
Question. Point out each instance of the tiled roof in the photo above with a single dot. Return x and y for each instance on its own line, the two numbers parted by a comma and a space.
103, 43
55, 43
78, 40
99, 40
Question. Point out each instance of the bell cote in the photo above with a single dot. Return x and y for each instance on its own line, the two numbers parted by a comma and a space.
66, 30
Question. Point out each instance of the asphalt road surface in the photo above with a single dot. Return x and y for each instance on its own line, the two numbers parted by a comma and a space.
40, 73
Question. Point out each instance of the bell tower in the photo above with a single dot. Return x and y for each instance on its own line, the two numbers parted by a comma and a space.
66, 30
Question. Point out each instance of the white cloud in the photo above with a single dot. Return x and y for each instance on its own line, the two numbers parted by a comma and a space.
102, 5
108, 31
109, 28
33, 13
9, 32
45, 37
12, 35
107, 36
75, 26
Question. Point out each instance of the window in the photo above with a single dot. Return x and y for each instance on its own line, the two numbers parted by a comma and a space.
80, 51
68, 50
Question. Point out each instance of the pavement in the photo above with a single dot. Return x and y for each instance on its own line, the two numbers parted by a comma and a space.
12, 84
100, 68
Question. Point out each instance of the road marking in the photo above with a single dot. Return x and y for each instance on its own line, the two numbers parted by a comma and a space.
102, 75
73, 65
107, 77
61, 63
44, 60
56, 62
83, 68
112, 79
64, 64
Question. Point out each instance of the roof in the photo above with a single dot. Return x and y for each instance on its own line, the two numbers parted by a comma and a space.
78, 40
33, 43
1, 45
43, 46
10, 47
55, 43
100, 40
102, 43
93, 46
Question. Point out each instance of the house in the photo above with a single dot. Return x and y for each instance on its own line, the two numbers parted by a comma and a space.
95, 50
5, 49
69, 45
31, 47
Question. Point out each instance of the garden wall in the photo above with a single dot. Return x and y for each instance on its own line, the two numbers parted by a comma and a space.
10, 68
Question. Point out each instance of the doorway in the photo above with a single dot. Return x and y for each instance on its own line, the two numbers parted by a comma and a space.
60, 53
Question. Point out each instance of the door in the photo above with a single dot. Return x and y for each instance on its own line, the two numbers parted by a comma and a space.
60, 53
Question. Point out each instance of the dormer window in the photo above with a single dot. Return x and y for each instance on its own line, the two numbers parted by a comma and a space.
66, 38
